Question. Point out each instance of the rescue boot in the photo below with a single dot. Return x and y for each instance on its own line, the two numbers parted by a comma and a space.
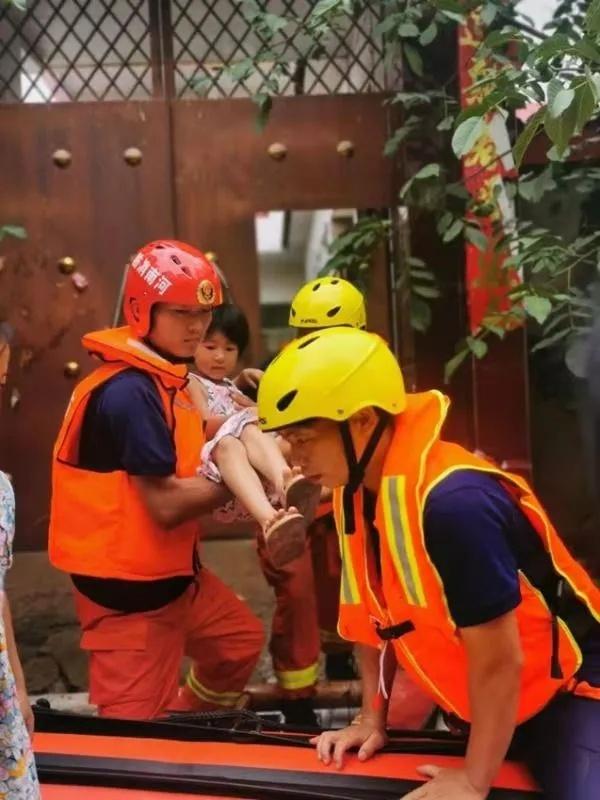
341, 667
299, 711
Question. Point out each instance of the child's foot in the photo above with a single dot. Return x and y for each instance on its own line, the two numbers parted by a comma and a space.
302, 494
285, 536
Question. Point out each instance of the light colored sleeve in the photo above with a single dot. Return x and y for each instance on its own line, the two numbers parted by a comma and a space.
7, 525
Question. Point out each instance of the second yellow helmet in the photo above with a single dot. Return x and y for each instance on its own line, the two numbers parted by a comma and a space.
328, 302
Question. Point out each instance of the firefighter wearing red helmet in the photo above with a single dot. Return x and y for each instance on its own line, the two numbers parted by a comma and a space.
126, 499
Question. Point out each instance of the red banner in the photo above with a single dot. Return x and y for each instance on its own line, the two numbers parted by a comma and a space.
485, 169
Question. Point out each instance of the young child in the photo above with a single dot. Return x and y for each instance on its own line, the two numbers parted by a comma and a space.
238, 453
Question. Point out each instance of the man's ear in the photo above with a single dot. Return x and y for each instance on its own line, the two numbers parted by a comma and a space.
363, 420
135, 308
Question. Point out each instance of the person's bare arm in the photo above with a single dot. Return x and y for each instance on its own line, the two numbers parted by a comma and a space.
213, 424
173, 500
495, 661
367, 732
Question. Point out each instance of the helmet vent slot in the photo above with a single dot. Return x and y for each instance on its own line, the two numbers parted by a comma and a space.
293, 311
335, 282
316, 286
285, 401
176, 260
307, 342
333, 311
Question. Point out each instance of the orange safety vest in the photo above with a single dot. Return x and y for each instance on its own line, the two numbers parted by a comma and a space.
99, 524
409, 605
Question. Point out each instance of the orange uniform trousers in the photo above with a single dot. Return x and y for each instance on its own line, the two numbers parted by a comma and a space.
306, 613
135, 659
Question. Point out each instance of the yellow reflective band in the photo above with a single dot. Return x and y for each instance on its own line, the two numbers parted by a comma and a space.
227, 699
298, 678
400, 540
349, 594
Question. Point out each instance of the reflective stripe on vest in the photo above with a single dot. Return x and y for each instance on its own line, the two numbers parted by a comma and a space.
401, 546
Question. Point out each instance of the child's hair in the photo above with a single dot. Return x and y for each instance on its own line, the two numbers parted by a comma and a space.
232, 323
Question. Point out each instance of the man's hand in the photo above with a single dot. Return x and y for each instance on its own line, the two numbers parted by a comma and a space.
445, 784
26, 709
249, 378
332, 745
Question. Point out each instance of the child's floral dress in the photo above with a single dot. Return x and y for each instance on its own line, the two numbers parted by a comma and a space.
18, 777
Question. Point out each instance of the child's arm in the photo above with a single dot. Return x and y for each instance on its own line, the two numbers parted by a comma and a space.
248, 378
199, 395
212, 425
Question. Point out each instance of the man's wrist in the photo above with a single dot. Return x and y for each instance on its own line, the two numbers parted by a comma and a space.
376, 719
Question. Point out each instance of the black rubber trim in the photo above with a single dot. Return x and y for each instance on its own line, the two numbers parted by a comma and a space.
239, 727
226, 780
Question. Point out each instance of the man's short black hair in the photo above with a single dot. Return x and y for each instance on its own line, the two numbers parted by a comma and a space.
232, 323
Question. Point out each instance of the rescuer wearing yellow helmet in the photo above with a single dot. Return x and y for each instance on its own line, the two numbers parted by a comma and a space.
327, 302
449, 564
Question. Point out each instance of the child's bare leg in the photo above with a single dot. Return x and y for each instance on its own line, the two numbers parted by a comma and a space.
264, 453
265, 456
239, 476
284, 529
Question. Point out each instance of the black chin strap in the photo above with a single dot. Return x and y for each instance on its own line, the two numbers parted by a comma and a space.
358, 467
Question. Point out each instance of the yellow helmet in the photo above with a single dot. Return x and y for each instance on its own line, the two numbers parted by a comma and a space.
326, 302
330, 374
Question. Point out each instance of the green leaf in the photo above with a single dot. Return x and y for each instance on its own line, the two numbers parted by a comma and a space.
445, 124
534, 189
444, 222
387, 24
420, 274
477, 346
500, 38
527, 135
548, 341
561, 102
592, 17
555, 155
451, 9
594, 82
265, 103
477, 238
454, 363
552, 46
429, 35
16, 231
587, 50
537, 307
430, 292
241, 70
420, 314
561, 129
585, 104
413, 57
489, 13
555, 86
203, 84
428, 171
467, 133
408, 30
454, 230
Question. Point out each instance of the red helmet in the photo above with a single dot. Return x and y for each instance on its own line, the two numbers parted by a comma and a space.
167, 271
